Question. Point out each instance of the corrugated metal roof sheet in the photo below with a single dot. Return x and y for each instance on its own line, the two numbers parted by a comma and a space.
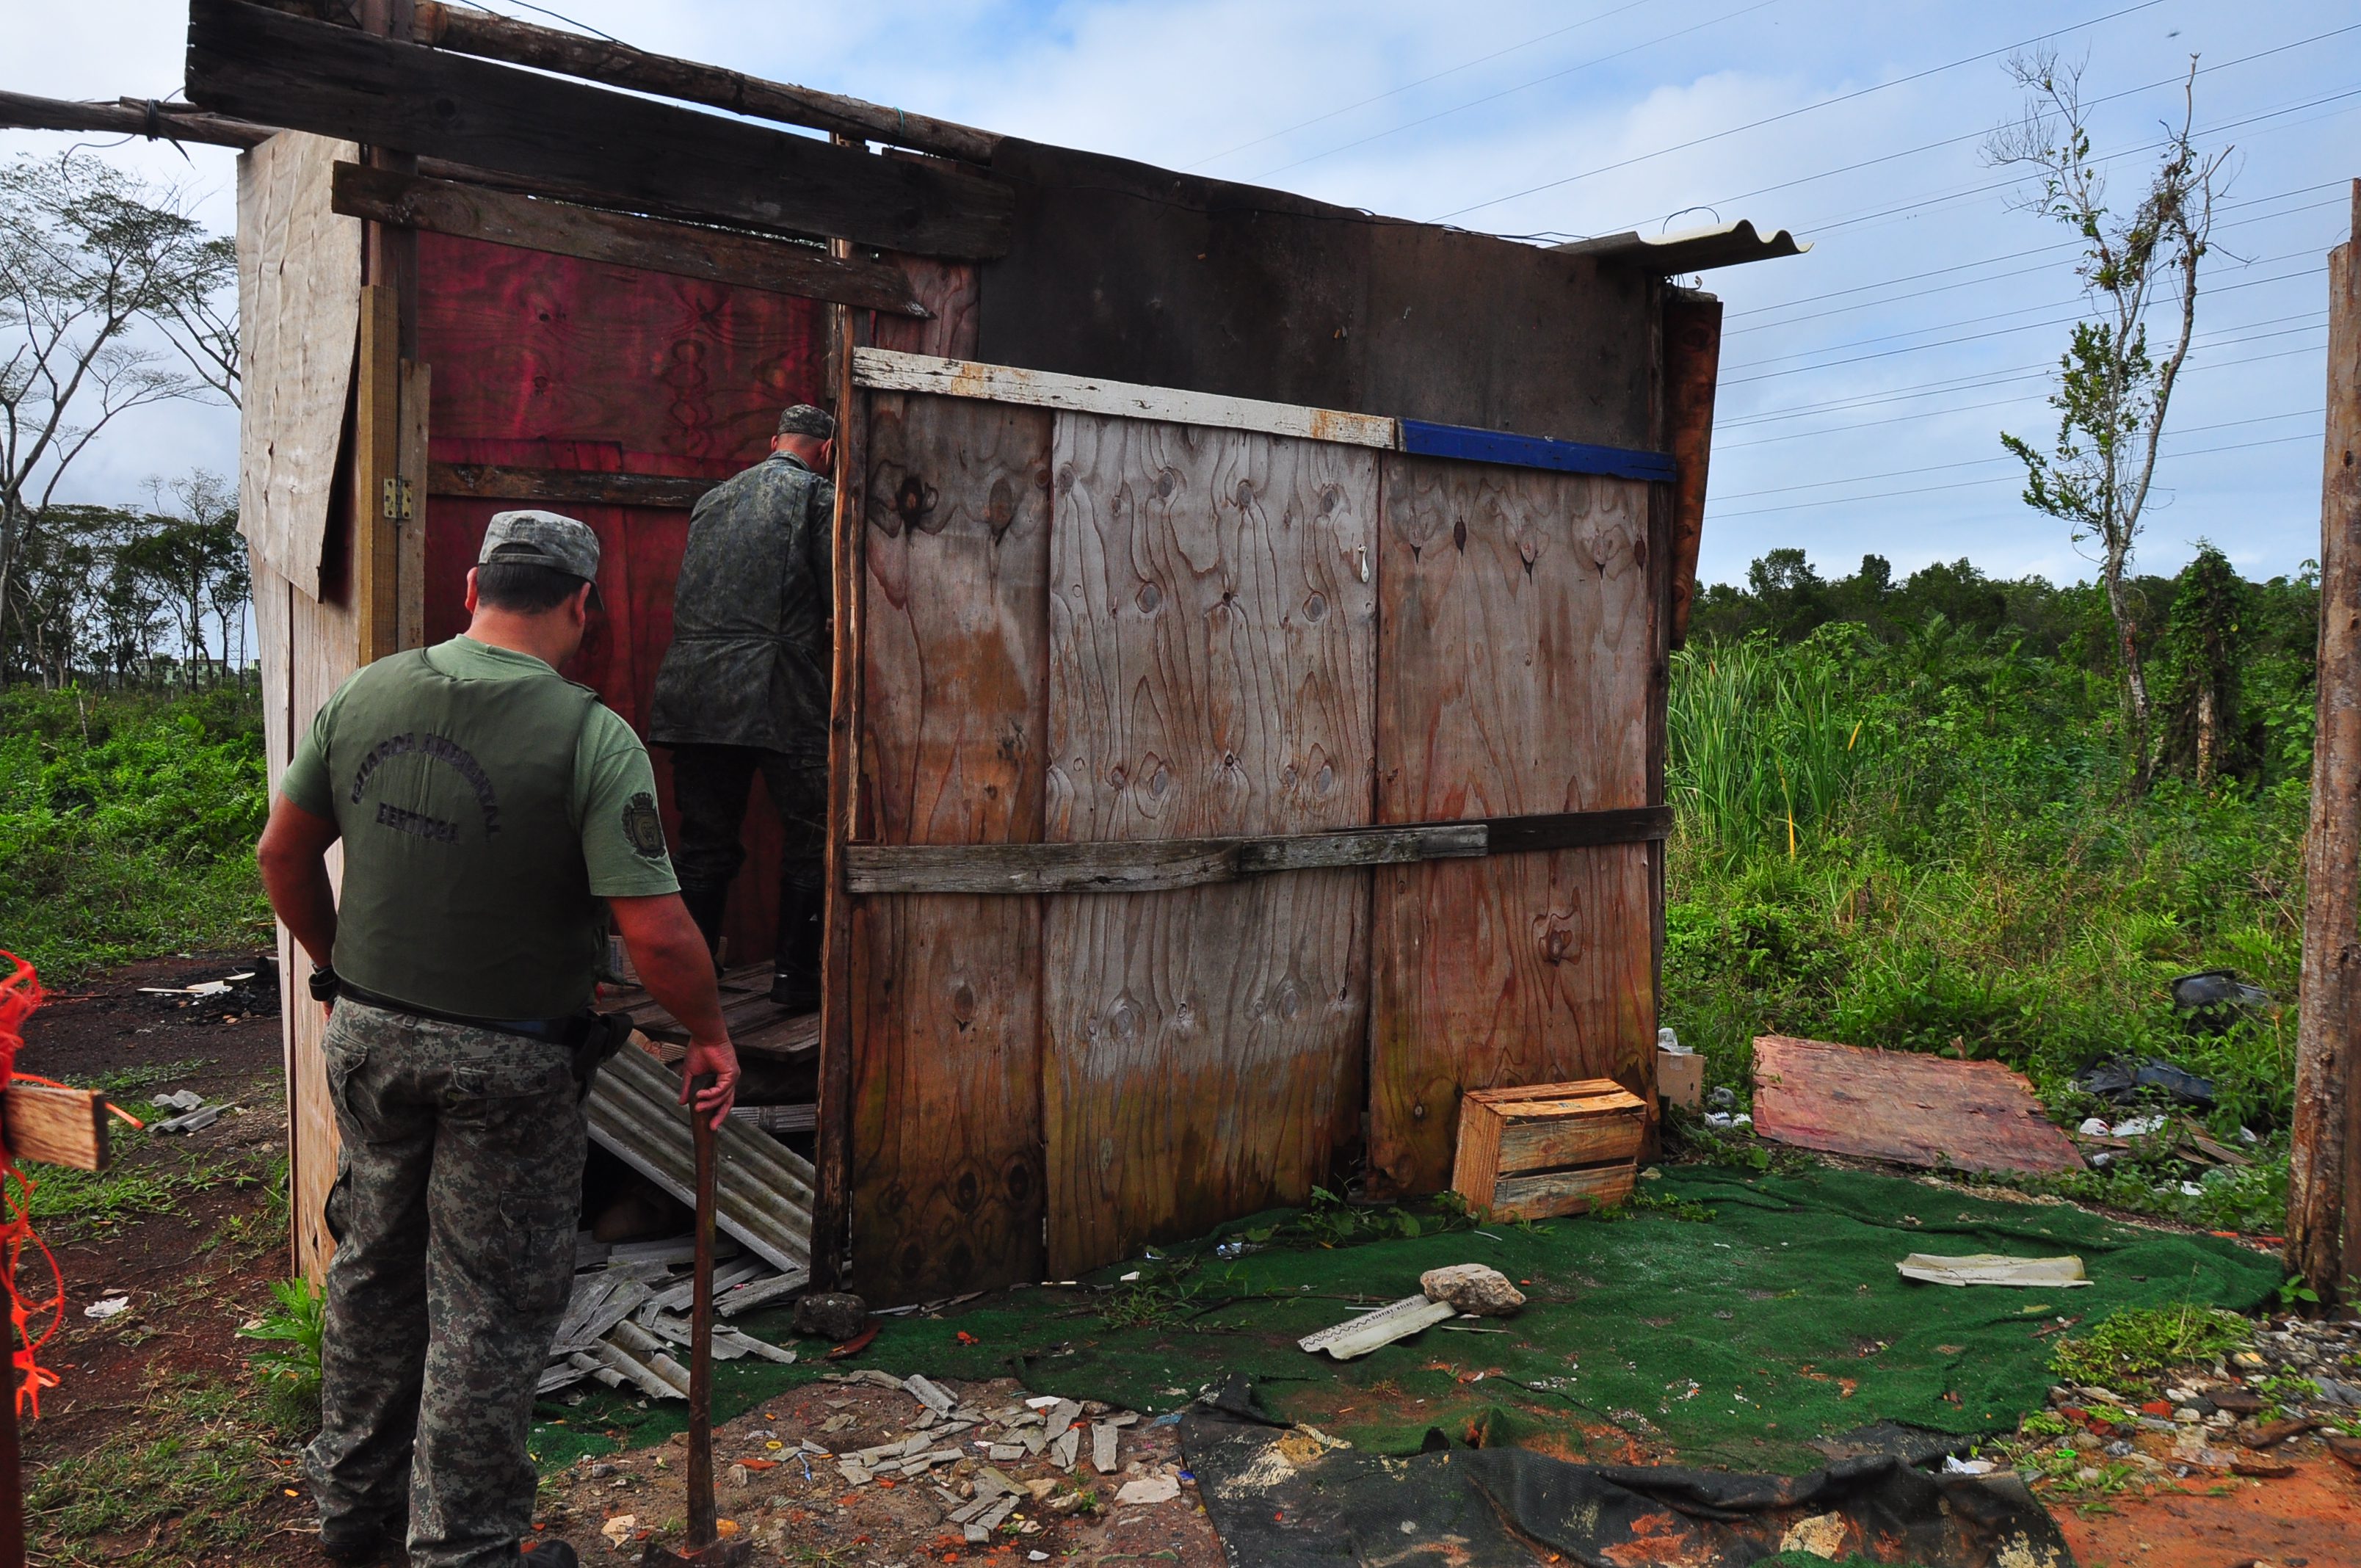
1688, 250
765, 1188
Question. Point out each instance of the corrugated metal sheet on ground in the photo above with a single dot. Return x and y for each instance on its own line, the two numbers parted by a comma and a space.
765, 1188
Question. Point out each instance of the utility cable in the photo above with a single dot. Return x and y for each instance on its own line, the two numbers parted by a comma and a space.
1944, 343
1791, 113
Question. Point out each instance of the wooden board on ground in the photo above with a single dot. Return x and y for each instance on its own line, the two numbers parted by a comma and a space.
1212, 643
1903, 1106
757, 1025
1513, 661
55, 1126
946, 989
299, 285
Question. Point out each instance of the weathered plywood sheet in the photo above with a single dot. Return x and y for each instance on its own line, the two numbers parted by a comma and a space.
1211, 650
1513, 677
946, 1182
299, 279
1903, 1106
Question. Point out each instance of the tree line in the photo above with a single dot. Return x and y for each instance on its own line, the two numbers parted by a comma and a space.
113, 297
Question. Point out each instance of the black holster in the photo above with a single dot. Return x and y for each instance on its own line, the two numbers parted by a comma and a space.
595, 1037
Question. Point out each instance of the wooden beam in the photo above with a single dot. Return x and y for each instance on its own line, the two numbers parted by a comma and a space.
378, 499
1507, 449
472, 211
882, 369
1161, 864
410, 465
2323, 1227
249, 62
23, 111
471, 31
485, 481
56, 1126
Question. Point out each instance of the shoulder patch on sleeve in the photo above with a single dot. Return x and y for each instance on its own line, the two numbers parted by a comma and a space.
644, 826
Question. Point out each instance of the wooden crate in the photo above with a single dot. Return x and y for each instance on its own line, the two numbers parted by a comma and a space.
1548, 1148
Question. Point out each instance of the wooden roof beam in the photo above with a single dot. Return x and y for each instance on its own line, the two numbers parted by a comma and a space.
470, 31
466, 30
170, 121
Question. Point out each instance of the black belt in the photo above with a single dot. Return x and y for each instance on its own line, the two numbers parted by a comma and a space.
556, 1031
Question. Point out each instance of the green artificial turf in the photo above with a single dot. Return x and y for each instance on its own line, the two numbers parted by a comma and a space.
1735, 1339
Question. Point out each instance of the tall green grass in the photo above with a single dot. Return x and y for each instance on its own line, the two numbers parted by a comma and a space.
1937, 846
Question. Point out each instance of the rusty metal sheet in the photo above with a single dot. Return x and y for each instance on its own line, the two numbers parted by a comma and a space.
1903, 1106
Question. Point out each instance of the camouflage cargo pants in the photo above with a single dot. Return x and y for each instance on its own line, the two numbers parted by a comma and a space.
458, 1194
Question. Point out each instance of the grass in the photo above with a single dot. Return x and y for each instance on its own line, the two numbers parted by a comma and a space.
191, 1458
1936, 845
128, 826
2140, 1342
289, 1363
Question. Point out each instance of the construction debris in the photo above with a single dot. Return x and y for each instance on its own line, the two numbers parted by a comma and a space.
1358, 1336
624, 1319
1994, 1268
195, 1121
1903, 1106
1477, 1288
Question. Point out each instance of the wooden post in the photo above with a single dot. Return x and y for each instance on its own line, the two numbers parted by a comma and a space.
2324, 1167
377, 498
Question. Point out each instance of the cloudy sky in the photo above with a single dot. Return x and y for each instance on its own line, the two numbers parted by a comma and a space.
1864, 385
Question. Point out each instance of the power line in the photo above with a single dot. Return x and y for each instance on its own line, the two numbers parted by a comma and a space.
1490, 97
1972, 136
1994, 261
1944, 343
1421, 81
1970, 484
2082, 314
1982, 462
1978, 383
1791, 113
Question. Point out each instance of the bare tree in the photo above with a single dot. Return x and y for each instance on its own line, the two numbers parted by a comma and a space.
2113, 391
86, 254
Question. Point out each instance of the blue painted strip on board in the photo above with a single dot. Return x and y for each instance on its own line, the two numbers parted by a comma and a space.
1470, 445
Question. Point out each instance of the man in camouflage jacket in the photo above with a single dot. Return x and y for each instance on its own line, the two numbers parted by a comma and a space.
744, 686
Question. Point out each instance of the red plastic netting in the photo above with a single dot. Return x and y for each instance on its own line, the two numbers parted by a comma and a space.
19, 994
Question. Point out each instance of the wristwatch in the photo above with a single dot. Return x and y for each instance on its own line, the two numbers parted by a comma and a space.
323, 984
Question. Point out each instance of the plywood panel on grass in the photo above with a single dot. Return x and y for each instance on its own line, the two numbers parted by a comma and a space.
1514, 651
946, 1181
1211, 648
299, 279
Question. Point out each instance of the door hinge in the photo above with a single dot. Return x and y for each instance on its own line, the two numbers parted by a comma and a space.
397, 500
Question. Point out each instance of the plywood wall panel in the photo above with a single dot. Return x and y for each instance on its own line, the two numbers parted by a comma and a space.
1212, 652
947, 1177
1517, 634
299, 279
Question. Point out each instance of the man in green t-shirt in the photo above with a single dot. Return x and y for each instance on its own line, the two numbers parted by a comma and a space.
489, 808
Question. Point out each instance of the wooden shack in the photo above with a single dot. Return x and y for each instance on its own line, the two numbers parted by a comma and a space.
1252, 614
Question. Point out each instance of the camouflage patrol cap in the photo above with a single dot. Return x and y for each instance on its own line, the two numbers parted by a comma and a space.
805, 420
543, 538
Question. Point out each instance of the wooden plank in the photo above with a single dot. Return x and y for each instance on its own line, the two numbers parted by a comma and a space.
472, 211
1528, 1145
249, 62
56, 1126
618, 64
946, 1183
1562, 1192
951, 293
299, 279
1143, 866
886, 370
1212, 642
411, 467
1578, 829
24, 110
376, 475
2324, 1161
1513, 679
1468, 445
1692, 371
1904, 1106
575, 487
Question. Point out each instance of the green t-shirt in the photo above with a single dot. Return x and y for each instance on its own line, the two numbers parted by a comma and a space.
485, 804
